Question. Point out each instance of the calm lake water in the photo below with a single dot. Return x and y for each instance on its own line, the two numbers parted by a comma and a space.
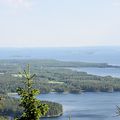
115, 72
106, 54
86, 106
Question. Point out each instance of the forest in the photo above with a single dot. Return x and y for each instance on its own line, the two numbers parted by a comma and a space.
52, 77
10, 107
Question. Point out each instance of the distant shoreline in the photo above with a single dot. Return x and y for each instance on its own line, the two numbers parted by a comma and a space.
93, 54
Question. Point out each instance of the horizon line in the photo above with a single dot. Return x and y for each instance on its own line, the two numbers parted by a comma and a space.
60, 46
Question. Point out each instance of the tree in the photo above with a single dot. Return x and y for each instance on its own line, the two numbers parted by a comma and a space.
118, 111
33, 109
69, 117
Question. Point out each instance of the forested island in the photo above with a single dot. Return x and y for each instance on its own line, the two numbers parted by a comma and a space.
9, 107
52, 77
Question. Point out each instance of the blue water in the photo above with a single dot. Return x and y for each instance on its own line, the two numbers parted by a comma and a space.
106, 54
86, 106
114, 72
110, 55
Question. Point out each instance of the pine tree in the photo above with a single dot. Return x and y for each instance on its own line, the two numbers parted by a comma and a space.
70, 117
33, 109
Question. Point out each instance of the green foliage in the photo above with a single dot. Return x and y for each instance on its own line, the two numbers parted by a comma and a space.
55, 109
3, 118
33, 108
52, 76
9, 106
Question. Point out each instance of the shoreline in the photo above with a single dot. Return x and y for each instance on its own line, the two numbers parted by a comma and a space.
65, 93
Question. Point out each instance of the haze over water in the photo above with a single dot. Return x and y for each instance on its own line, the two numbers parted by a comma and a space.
85, 106
105, 54
59, 23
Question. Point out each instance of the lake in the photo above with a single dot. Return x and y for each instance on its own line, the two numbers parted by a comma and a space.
86, 106
114, 72
106, 54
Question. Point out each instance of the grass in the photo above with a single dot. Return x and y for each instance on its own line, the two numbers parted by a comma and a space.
55, 82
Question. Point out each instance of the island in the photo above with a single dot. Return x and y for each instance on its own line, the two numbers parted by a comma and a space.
51, 76
9, 108
56, 76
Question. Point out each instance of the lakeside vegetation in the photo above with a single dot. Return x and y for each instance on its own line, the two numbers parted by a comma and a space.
50, 76
54, 79
36, 63
10, 107
3, 118
28, 107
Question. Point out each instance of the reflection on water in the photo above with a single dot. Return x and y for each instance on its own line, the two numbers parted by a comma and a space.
86, 106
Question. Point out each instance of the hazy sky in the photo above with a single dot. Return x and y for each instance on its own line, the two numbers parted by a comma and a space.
48, 23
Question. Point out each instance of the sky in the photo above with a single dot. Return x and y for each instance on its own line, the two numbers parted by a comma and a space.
59, 23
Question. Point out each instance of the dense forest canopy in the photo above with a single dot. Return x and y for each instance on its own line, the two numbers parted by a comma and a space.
10, 107
51, 76
55, 76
